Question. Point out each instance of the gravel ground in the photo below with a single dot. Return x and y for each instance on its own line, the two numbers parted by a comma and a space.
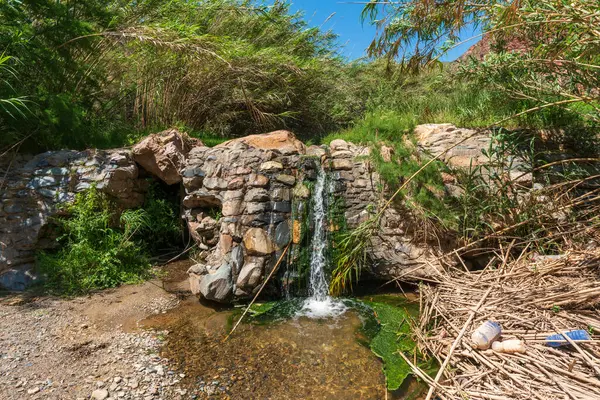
86, 347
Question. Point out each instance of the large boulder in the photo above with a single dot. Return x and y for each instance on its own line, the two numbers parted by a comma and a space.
217, 286
466, 149
437, 138
283, 141
163, 154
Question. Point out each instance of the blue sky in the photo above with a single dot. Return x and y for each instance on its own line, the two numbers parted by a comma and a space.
353, 35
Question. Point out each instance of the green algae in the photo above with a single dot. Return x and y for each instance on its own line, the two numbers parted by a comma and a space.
392, 334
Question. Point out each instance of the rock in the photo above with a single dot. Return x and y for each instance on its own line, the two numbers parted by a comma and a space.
235, 183
163, 155
256, 195
232, 208
195, 274
18, 279
386, 153
271, 166
33, 390
258, 180
215, 183
280, 194
282, 206
301, 191
250, 274
201, 199
286, 179
225, 243
99, 394
437, 138
341, 164
282, 235
338, 144
283, 141
316, 151
256, 208
257, 242
237, 260
217, 286
342, 154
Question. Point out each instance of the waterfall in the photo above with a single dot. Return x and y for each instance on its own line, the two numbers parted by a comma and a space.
317, 285
319, 304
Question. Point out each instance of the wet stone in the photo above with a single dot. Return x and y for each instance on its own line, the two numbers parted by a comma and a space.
282, 206
281, 194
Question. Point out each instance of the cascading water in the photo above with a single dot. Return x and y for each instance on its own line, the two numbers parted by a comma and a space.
319, 304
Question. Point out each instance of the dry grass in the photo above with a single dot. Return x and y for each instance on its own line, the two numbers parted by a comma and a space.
531, 298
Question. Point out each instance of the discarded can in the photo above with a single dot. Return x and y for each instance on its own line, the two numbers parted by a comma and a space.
509, 346
484, 336
576, 335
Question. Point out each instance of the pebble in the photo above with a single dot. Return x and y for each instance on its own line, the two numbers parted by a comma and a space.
100, 394
33, 390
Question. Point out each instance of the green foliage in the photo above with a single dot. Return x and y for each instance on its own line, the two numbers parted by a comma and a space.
100, 73
426, 192
95, 251
544, 53
162, 229
101, 246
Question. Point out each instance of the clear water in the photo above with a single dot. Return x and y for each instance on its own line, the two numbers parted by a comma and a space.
319, 304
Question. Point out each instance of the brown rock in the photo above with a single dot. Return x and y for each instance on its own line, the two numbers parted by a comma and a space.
232, 207
236, 183
163, 154
286, 179
283, 141
341, 164
225, 243
258, 180
386, 153
257, 242
271, 166
338, 144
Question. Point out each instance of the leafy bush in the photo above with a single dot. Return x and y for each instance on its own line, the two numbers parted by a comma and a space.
101, 247
95, 251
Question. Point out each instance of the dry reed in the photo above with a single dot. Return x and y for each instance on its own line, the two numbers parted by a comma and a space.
531, 298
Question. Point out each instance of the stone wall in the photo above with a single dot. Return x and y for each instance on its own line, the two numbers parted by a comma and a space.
238, 201
31, 188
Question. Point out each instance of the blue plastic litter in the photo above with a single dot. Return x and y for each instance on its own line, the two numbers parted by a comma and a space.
579, 334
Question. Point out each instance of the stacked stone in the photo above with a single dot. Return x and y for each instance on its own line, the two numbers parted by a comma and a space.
392, 250
34, 186
252, 188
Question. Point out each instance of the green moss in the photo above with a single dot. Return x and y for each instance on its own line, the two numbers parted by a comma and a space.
391, 334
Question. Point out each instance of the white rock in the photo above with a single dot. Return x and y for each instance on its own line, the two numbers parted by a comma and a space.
100, 394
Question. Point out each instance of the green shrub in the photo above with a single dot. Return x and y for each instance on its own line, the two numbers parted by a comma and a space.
95, 250
102, 247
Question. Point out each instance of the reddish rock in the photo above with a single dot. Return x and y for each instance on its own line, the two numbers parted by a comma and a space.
163, 155
283, 141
